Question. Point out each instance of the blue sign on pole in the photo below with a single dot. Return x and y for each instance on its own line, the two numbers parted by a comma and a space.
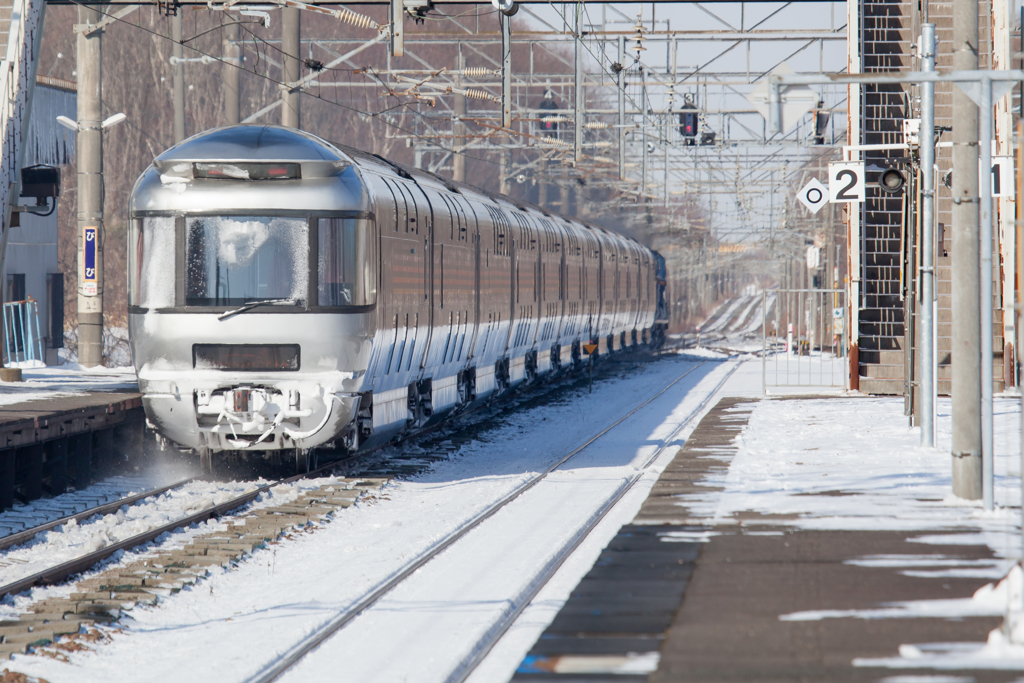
90, 286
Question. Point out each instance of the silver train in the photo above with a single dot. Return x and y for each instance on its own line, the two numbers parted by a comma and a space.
287, 293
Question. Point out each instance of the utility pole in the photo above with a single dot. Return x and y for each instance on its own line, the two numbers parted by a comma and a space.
668, 127
966, 289
89, 65
459, 105
643, 132
578, 90
230, 70
506, 69
291, 46
927, 145
622, 107
178, 69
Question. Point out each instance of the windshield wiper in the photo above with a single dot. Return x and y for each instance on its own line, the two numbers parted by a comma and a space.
254, 304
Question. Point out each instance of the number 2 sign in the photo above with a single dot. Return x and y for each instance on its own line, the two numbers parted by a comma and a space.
846, 182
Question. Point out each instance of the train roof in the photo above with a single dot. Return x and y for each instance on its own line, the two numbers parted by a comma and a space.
321, 158
414, 174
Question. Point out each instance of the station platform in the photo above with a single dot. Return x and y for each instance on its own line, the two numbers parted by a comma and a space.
801, 538
63, 428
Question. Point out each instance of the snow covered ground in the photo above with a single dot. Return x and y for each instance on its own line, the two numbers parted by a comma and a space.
857, 446
66, 380
427, 626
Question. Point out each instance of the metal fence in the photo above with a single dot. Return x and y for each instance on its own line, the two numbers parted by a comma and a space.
22, 341
803, 339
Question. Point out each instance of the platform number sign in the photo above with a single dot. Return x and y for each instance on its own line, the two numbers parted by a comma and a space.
1002, 177
90, 281
813, 196
846, 182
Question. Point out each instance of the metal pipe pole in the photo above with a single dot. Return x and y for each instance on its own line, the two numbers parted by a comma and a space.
668, 125
459, 109
927, 145
506, 69
396, 14
178, 70
578, 90
966, 292
622, 108
985, 202
643, 138
89, 65
1020, 284
229, 73
291, 46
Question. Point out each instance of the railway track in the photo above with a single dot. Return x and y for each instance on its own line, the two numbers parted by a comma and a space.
165, 566
20, 537
321, 634
61, 572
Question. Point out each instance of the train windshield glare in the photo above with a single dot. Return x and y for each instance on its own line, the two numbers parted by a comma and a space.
235, 260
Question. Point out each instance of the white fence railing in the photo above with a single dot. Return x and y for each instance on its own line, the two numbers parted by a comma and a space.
803, 339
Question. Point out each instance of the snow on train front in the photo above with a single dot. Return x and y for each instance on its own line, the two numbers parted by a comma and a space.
252, 287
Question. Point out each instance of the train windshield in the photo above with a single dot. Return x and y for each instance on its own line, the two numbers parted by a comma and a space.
235, 260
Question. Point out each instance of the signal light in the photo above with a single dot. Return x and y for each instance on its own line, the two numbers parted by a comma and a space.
891, 181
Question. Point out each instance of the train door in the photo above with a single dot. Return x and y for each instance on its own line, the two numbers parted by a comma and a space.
400, 284
551, 284
444, 320
414, 233
496, 283
526, 266
574, 285
460, 271
591, 284
609, 284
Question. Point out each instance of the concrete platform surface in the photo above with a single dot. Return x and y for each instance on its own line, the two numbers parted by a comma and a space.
793, 560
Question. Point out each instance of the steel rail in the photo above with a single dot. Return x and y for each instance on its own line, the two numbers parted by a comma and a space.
469, 665
273, 670
20, 537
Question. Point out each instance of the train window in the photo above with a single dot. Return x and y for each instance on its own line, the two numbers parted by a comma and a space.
345, 271
150, 272
234, 260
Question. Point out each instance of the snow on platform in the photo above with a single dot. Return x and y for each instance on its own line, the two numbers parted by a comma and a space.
829, 546
59, 381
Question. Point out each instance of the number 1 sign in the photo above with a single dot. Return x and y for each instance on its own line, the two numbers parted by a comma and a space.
846, 182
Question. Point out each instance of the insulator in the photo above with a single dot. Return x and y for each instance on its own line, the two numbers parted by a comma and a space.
597, 125
475, 71
480, 95
359, 20
554, 142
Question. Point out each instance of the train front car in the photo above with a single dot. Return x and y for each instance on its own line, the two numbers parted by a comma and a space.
251, 291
